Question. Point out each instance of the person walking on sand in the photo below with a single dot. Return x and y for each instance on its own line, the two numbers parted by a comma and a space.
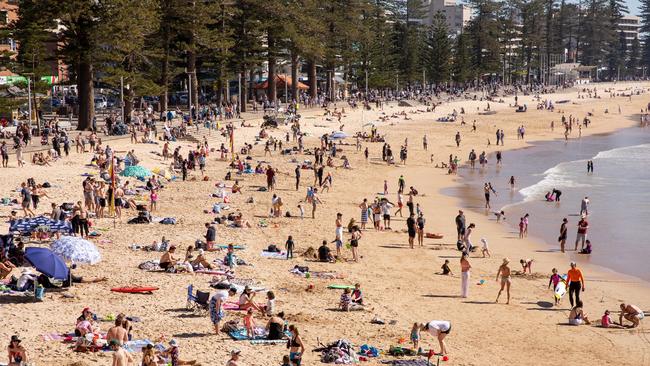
583, 226
460, 225
420, 226
575, 282
338, 233
563, 234
504, 272
314, 201
457, 139
584, 206
411, 228
465, 267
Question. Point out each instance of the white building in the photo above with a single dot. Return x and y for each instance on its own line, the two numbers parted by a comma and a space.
456, 15
629, 25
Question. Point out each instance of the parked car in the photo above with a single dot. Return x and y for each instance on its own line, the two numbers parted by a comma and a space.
101, 102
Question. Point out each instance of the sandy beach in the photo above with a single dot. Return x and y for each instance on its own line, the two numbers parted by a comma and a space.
399, 284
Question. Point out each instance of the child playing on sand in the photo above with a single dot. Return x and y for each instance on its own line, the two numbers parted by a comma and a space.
415, 335
302, 211
385, 188
527, 264
289, 247
485, 249
357, 295
249, 323
555, 280
270, 303
154, 199
606, 320
500, 215
445, 268
522, 226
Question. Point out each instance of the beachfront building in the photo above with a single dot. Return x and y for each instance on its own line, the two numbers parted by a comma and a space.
8, 14
629, 25
456, 15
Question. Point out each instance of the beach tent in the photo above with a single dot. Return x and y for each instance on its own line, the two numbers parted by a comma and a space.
42, 223
136, 171
75, 249
46, 262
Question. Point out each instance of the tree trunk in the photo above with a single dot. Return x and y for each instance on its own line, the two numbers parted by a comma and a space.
271, 92
128, 103
191, 69
86, 95
251, 89
313, 83
294, 75
164, 79
242, 99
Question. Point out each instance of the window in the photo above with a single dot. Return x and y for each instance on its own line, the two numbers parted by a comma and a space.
3, 17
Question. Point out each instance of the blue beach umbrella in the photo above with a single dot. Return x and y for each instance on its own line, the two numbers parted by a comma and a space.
136, 171
46, 262
29, 225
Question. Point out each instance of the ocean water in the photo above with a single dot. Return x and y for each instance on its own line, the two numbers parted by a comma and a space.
619, 192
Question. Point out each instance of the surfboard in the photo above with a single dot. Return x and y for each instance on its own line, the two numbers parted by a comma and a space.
340, 287
560, 289
134, 290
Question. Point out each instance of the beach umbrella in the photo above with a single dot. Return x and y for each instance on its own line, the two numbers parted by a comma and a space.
136, 171
29, 225
46, 262
338, 135
76, 250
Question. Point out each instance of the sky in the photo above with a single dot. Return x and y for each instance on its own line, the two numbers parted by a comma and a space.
633, 6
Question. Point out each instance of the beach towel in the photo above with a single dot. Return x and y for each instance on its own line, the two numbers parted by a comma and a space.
136, 346
259, 338
273, 255
54, 336
413, 362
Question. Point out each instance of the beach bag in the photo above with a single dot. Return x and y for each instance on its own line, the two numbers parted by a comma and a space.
230, 326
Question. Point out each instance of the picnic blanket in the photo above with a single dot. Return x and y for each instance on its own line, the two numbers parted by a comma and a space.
411, 362
273, 255
259, 338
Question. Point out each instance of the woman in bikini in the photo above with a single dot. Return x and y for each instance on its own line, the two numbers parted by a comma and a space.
295, 345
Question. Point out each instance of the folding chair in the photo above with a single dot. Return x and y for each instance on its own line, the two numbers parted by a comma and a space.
191, 299
202, 302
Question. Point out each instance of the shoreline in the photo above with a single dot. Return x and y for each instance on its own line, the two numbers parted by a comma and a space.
471, 198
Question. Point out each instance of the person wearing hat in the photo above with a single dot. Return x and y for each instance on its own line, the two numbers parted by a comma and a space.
26, 280
173, 354
200, 260
246, 299
439, 329
504, 272
17, 353
168, 260
234, 357
120, 356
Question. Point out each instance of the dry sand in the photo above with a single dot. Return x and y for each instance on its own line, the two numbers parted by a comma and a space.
398, 283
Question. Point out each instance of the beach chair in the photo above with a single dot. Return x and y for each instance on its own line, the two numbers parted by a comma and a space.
202, 303
191, 299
